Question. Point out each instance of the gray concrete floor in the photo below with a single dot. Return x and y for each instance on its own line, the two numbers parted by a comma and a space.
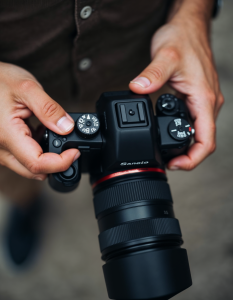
69, 266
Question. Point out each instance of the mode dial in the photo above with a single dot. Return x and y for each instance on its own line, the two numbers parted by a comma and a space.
87, 126
167, 104
180, 129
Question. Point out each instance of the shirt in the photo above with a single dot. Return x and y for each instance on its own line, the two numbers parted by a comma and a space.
79, 48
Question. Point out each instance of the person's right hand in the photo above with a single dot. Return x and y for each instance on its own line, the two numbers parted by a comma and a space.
21, 96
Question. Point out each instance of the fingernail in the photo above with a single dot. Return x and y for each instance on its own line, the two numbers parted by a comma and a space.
65, 124
38, 178
142, 81
173, 168
76, 156
71, 119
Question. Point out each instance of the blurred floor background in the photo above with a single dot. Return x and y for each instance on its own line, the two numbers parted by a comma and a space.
69, 266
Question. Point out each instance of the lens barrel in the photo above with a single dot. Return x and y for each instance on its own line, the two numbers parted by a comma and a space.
140, 239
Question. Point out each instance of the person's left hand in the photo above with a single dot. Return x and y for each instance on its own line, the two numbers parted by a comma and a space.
181, 56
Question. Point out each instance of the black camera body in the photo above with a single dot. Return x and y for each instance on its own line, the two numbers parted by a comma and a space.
123, 135
124, 147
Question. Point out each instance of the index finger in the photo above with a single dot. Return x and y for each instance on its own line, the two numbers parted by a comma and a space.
29, 153
204, 124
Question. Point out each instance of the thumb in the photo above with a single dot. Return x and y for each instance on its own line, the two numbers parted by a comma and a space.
158, 72
48, 111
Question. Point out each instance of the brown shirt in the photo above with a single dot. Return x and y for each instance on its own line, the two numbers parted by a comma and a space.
74, 57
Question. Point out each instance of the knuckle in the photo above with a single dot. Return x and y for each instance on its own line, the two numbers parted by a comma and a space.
5, 157
65, 166
211, 144
212, 148
212, 127
3, 141
34, 167
49, 109
210, 95
190, 166
3, 163
26, 85
25, 131
171, 54
221, 99
156, 73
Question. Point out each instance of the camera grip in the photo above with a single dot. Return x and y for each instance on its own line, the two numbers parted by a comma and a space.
66, 181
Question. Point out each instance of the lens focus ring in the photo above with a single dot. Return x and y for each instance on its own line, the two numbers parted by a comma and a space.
130, 192
138, 229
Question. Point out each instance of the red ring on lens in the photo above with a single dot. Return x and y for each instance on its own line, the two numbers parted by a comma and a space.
127, 172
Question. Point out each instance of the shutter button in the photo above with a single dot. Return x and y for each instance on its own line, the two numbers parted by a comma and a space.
84, 64
86, 12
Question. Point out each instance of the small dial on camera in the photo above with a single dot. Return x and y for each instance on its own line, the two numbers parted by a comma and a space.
180, 129
167, 104
87, 126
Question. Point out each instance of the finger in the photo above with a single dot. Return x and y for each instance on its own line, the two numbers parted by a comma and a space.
9, 161
204, 145
33, 131
39, 133
29, 153
160, 70
219, 104
48, 111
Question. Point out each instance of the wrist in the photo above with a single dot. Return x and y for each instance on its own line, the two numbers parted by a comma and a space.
195, 14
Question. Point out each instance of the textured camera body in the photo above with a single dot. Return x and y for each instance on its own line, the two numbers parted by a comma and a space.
127, 135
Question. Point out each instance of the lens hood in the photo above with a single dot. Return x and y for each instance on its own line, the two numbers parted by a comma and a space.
151, 274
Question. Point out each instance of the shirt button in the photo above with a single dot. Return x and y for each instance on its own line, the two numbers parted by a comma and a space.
86, 12
84, 64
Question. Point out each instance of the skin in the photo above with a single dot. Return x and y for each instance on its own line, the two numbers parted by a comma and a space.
22, 96
182, 57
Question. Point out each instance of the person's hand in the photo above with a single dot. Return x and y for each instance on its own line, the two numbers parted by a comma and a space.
20, 97
181, 56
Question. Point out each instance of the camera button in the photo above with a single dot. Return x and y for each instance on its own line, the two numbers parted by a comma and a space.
68, 173
57, 143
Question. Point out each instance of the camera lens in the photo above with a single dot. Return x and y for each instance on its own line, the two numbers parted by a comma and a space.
140, 237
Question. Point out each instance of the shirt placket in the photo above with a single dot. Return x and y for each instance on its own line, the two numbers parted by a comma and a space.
87, 21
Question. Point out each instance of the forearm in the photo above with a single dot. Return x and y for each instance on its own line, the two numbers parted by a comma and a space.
197, 12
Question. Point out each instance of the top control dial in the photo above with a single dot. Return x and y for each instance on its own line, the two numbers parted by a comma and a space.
87, 126
167, 104
180, 130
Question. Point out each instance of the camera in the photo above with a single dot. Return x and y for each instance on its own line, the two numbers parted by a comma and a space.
125, 147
